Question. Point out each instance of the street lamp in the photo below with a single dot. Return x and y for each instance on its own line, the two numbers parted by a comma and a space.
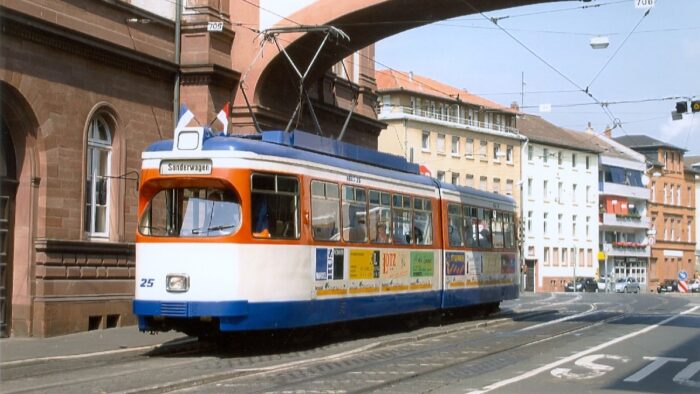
600, 42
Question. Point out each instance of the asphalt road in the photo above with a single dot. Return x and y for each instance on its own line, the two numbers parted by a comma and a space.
554, 343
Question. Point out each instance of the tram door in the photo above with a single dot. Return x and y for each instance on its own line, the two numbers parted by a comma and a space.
8, 186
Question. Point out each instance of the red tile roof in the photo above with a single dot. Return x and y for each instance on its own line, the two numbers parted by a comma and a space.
391, 80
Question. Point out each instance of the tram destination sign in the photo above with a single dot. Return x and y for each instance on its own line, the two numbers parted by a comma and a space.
185, 167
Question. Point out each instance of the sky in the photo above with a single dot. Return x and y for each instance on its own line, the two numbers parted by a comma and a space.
649, 59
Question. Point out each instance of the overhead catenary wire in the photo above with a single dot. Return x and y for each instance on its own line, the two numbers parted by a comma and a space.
616, 122
618, 49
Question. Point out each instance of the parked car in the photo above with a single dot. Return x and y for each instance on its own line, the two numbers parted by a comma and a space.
583, 284
627, 285
694, 286
602, 284
667, 286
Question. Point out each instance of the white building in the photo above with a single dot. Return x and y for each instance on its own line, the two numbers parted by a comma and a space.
559, 205
625, 227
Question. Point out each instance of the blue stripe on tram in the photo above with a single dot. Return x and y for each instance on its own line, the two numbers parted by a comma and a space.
242, 315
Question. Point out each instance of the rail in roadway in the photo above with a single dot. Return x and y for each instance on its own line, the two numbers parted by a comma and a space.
420, 360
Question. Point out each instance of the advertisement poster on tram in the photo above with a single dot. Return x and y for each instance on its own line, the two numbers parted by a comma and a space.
455, 262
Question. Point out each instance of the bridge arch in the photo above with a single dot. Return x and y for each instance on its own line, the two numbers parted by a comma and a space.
274, 84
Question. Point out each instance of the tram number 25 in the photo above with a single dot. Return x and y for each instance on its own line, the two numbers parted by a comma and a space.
146, 282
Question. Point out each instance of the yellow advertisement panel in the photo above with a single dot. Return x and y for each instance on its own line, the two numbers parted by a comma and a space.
364, 264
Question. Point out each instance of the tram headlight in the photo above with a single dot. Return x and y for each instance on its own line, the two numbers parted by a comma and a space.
177, 283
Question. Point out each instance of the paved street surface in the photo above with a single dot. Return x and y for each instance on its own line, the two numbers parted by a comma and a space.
572, 343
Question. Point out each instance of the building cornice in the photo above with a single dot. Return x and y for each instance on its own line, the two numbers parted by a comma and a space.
68, 41
422, 119
51, 246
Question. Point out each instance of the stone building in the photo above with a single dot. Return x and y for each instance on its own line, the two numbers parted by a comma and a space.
671, 207
85, 86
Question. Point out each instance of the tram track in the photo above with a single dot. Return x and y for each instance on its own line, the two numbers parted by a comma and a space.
343, 368
480, 340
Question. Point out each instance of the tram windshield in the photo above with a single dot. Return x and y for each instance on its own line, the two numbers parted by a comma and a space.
191, 212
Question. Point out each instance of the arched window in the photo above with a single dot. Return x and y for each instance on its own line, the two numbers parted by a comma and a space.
98, 164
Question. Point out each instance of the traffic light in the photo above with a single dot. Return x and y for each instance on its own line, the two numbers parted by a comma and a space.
682, 107
695, 106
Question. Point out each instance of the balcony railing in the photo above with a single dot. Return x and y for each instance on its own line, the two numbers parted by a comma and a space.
626, 249
625, 191
387, 112
626, 221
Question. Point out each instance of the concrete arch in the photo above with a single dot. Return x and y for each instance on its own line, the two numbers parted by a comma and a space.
365, 21
24, 130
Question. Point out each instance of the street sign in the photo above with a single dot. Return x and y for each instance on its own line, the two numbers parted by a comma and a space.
215, 26
644, 3
601, 256
682, 275
682, 287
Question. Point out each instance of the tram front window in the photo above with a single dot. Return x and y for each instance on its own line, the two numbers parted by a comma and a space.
191, 212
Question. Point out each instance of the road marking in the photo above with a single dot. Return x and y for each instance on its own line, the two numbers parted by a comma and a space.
565, 318
657, 362
578, 355
103, 353
588, 362
685, 377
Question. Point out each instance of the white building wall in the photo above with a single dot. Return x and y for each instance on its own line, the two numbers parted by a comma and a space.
569, 203
272, 11
164, 8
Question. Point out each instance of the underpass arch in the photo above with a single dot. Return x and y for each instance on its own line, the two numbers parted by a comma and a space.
273, 84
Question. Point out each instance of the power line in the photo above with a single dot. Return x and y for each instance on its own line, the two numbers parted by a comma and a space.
618, 48
528, 92
607, 103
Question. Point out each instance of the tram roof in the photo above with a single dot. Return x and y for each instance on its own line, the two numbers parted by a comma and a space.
353, 158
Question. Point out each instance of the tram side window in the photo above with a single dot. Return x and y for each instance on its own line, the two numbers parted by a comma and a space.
508, 229
485, 228
403, 219
471, 226
275, 206
423, 226
497, 224
325, 211
454, 225
379, 217
354, 214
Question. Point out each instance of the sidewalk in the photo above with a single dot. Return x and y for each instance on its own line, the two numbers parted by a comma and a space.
112, 340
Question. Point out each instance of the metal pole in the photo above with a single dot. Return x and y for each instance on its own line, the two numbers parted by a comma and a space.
607, 285
176, 88
575, 262
522, 89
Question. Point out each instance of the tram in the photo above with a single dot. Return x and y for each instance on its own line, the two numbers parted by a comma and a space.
284, 230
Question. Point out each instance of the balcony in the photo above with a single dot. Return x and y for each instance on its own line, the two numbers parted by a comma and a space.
616, 189
626, 249
398, 112
626, 221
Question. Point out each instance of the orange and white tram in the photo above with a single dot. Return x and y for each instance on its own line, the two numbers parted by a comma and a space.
287, 230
